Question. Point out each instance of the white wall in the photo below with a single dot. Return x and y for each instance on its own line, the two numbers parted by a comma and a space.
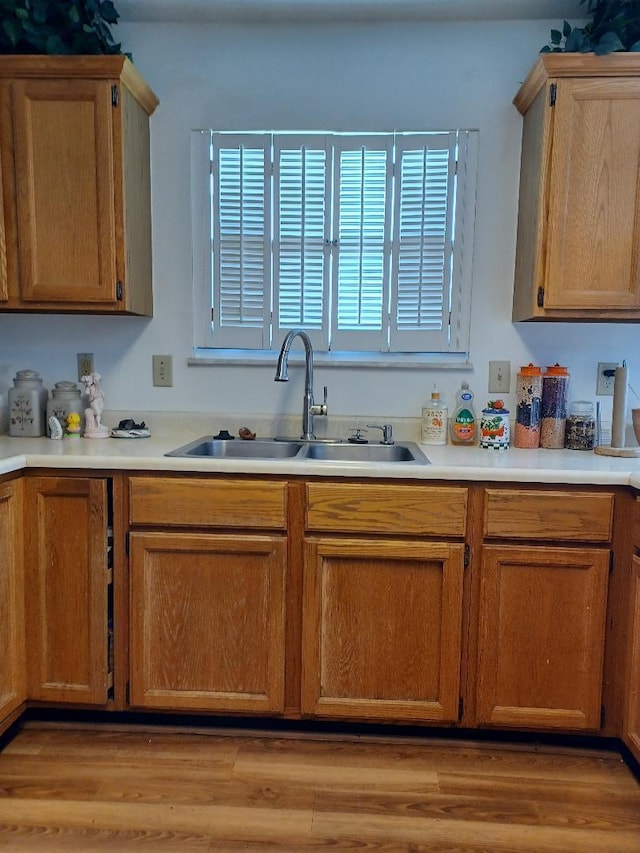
419, 76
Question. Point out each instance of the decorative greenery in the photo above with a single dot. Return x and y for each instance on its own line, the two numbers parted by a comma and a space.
57, 26
614, 26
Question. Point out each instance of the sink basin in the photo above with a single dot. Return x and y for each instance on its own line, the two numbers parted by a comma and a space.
406, 451
209, 447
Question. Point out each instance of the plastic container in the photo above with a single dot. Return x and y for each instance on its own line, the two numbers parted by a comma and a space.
463, 420
555, 384
494, 426
65, 398
434, 420
580, 428
27, 405
528, 407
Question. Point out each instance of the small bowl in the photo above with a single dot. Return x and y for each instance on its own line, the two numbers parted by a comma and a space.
635, 417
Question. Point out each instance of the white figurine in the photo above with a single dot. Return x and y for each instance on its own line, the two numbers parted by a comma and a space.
94, 428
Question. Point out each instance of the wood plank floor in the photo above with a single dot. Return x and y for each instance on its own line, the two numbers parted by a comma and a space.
123, 788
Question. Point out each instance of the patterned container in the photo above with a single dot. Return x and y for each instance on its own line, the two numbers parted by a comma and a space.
494, 426
27, 405
528, 407
555, 384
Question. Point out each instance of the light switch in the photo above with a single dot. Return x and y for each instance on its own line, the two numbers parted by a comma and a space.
499, 377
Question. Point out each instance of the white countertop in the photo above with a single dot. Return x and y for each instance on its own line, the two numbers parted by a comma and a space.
447, 463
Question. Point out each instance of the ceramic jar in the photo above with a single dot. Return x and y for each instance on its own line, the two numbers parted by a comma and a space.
27, 405
494, 428
65, 398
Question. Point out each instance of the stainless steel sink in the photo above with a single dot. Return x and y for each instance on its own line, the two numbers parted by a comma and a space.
209, 447
404, 451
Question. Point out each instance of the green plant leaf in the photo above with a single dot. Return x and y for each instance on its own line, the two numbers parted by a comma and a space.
635, 48
608, 43
566, 29
23, 14
108, 12
54, 45
576, 41
556, 37
13, 30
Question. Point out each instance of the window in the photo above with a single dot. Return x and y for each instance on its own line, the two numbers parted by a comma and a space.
363, 240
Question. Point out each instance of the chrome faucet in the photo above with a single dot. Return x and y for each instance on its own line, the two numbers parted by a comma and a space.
309, 408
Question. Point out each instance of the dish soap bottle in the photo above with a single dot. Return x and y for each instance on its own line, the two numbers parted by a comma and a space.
463, 422
434, 420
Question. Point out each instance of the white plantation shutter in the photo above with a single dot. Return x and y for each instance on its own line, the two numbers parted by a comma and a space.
363, 240
363, 170
302, 175
241, 166
423, 242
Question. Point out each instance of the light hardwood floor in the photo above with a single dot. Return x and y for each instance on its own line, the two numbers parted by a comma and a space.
94, 788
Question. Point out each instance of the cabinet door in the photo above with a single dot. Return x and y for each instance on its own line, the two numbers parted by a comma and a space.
631, 733
12, 656
593, 228
382, 629
64, 161
4, 285
207, 621
541, 637
66, 589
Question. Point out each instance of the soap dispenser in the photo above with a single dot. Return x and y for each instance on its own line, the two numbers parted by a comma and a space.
434, 420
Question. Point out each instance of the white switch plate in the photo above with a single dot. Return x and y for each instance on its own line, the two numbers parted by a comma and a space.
163, 370
499, 377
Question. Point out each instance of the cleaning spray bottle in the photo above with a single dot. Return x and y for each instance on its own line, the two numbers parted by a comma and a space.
434, 420
463, 421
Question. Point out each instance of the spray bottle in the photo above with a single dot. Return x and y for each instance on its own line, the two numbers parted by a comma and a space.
463, 421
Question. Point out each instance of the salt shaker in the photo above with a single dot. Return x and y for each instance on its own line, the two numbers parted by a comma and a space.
27, 405
555, 384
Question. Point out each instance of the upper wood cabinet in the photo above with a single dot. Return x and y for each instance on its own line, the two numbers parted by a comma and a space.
578, 243
75, 224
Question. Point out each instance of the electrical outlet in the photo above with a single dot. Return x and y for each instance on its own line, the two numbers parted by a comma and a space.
606, 378
163, 370
499, 377
85, 364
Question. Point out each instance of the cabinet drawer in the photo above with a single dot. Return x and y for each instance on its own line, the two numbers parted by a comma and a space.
409, 510
529, 514
207, 503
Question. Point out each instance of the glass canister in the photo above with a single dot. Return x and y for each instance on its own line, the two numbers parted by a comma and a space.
580, 430
27, 405
555, 384
65, 398
528, 407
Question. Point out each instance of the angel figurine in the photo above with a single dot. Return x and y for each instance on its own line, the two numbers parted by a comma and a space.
94, 428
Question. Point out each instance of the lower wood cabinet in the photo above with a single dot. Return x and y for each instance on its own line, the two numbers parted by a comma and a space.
207, 621
67, 580
541, 637
631, 730
12, 627
382, 629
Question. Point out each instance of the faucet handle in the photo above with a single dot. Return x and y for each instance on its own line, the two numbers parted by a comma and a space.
320, 408
387, 432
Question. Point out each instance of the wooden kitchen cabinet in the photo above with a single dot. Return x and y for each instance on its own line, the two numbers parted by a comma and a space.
631, 721
542, 609
207, 607
383, 610
578, 241
75, 169
67, 589
12, 626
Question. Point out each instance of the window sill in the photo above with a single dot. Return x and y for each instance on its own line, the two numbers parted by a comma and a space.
382, 361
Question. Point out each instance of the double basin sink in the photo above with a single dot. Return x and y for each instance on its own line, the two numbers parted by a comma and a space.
208, 447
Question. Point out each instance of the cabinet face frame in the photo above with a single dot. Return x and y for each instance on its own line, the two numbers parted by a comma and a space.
66, 589
332, 602
12, 622
512, 579
209, 569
